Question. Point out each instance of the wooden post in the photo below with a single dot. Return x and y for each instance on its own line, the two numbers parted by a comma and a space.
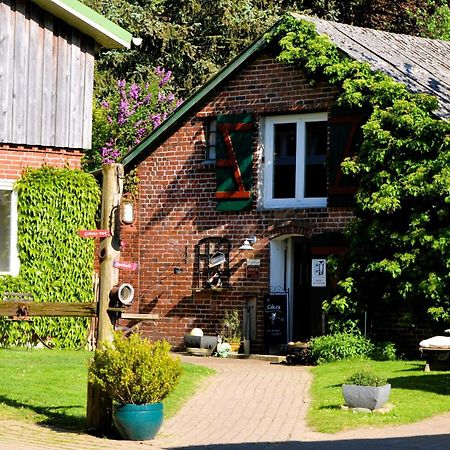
110, 246
99, 405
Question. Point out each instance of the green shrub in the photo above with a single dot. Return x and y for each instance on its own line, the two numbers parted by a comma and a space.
365, 378
135, 370
337, 346
384, 351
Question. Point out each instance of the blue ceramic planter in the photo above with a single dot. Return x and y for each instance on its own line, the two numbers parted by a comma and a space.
138, 422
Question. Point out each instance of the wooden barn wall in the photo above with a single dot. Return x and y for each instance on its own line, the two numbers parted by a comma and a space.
46, 79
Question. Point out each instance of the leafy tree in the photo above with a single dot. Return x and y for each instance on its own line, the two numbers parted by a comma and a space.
427, 18
195, 38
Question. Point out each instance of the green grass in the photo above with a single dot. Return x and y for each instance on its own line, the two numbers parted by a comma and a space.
415, 394
50, 386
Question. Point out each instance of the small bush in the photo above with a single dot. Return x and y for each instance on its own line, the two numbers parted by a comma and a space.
366, 378
384, 351
343, 345
135, 370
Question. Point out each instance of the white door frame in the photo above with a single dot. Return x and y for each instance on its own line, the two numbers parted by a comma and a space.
282, 272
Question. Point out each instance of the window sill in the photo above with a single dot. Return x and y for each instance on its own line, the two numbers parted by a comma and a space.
318, 203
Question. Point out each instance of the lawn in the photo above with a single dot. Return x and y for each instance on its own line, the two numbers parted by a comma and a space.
415, 394
49, 386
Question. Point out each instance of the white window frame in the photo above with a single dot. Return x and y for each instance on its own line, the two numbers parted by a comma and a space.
8, 185
211, 141
268, 140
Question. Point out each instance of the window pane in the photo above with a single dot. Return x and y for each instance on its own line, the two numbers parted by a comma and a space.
315, 158
284, 160
211, 140
5, 230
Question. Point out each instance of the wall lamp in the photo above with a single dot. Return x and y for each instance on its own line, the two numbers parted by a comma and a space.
247, 245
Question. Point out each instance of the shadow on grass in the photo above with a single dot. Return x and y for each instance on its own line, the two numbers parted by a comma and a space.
54, 418
417, 367
331, 407
438, 383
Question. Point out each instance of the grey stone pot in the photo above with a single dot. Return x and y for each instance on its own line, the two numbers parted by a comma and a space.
369, 397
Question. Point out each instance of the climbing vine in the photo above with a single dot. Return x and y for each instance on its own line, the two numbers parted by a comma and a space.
399, 241
56, 265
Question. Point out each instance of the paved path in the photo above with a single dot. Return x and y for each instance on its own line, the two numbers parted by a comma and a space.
248, 405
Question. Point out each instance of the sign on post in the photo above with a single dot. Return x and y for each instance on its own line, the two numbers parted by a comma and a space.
125, 265
94, 233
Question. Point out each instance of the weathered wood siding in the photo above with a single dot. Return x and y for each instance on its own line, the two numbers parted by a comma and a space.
46, 78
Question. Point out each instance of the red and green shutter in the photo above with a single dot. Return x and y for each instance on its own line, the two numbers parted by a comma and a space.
234, 162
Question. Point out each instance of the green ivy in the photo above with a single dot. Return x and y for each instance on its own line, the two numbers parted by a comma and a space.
399, 242
56, 265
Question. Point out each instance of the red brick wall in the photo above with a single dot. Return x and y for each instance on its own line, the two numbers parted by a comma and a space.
177, 208
14, 158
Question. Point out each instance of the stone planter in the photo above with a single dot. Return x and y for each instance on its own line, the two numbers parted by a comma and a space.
208, 342
368, 397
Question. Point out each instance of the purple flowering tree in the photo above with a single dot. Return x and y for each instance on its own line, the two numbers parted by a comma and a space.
121, 121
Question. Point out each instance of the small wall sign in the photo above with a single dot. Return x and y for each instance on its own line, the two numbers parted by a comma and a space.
253, 266
94, 233
319, 273
125, 265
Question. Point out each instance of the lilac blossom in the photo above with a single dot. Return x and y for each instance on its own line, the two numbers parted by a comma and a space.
109, 152
124, 112
134, 112
135, 91
156, 120
164, 80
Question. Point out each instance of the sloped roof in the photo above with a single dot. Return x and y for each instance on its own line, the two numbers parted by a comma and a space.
423, 65
85, 19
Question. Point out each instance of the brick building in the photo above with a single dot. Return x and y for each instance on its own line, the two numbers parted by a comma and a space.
47, 52
255, 153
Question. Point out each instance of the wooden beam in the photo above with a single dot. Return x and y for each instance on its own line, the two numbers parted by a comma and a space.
51, 309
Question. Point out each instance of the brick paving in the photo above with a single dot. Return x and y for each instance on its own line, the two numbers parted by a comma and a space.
247, 405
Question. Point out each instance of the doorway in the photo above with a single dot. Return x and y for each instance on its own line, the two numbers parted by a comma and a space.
290, 272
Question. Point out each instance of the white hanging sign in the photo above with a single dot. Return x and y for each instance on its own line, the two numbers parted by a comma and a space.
319, 273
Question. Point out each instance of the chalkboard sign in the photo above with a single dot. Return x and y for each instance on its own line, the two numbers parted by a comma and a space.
275, 319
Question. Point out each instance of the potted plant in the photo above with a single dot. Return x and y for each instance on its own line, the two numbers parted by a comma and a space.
366, 390
232, 329
137, 374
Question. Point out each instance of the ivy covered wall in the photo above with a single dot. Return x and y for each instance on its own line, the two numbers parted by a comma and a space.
399, 243
56, 265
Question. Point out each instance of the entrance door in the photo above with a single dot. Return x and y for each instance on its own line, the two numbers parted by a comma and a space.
290, 271
301, 289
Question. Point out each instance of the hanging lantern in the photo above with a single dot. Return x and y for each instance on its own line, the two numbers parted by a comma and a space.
127, 210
